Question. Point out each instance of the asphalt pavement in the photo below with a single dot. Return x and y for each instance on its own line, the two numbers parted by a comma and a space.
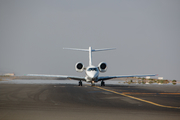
72, 102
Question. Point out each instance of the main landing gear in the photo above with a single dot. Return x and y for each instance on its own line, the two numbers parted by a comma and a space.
92, 83
80, 83
102, 83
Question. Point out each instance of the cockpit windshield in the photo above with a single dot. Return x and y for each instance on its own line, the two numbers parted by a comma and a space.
92, 69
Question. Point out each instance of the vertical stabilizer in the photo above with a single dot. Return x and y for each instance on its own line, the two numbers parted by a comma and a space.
90, 56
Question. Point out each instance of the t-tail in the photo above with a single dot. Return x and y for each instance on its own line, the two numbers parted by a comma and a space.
90, 50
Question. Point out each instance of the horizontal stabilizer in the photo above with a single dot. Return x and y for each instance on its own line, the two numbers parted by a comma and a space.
95, 50
86, 50
91, 50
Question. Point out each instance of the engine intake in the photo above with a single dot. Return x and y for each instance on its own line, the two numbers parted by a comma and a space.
102, 67
79, 67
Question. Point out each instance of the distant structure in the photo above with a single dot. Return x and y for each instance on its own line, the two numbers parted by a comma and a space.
147, 77
160, 78
9, 74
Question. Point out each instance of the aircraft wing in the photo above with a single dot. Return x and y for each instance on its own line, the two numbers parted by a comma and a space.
44, 76
122, 76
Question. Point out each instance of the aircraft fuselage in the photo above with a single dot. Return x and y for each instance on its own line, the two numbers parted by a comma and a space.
92, 74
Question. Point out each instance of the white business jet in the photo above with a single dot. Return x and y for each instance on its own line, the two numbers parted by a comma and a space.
92, 72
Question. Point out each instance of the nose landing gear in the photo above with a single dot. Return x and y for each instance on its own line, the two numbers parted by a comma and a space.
92, 83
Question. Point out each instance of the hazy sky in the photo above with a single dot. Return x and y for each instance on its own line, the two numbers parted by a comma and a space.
146, 35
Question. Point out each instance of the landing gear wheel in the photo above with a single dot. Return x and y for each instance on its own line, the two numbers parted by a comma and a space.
102, 83
92, 83
80, 83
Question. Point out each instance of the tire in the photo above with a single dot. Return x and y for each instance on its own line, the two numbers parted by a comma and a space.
80, 83
102, 83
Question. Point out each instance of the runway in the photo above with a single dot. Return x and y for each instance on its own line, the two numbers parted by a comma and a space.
69, 101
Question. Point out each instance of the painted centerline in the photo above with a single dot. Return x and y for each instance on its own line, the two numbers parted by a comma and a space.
153, 103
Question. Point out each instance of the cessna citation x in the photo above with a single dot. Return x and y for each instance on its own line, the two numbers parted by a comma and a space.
92, 72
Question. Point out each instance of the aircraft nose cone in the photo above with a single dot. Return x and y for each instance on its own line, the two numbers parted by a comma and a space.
93, 75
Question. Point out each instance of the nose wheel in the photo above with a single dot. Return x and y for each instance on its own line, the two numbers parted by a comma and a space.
102, 83
92, 83
80, 83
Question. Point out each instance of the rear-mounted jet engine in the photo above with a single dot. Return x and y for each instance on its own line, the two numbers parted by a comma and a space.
79, 67
102, 67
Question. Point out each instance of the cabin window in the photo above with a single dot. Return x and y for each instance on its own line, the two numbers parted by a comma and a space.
92, 69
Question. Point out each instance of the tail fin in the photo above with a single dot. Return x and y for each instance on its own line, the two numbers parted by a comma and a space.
90, 50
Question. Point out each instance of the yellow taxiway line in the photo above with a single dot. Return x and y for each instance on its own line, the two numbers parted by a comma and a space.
156, 104
151, 93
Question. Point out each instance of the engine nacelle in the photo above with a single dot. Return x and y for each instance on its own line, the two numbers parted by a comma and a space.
102, 67
79, 67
